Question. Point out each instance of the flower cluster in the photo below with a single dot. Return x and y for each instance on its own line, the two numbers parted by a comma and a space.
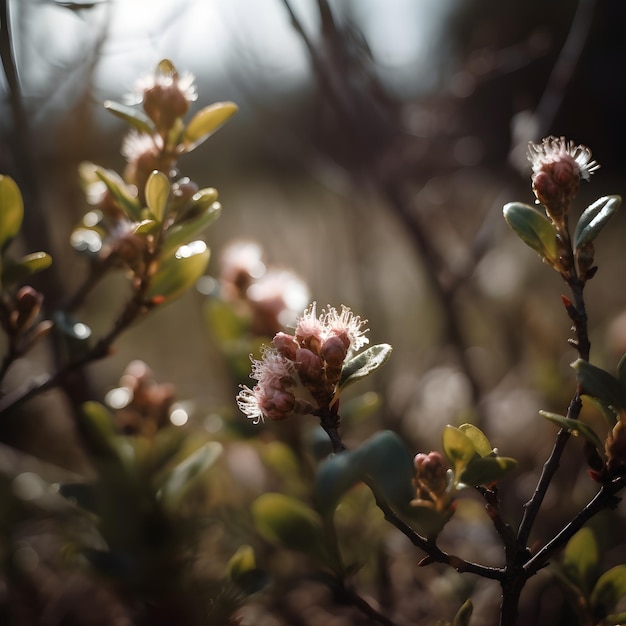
431, 482
300, 374
558, 165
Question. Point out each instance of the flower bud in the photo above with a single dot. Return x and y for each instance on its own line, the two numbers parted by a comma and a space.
286, 345
309, 366
28, 303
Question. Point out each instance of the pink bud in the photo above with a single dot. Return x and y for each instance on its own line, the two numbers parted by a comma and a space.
286, 345
308, 365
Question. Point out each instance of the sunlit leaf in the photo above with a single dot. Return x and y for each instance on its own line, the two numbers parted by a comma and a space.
157, 192
597, 383
198, 204
188, 474
134, 116
594, 219
533, 228
147, 227
575, 427
459, 449
609, 590
183, 232
206, 121
126, 200
580, 559
14, 272
179, 272
478, 438
364, 364
11, 210
243, 572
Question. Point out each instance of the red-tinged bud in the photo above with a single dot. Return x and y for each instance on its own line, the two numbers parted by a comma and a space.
277, 404
309, 366
28, 303
286, 345
334, 351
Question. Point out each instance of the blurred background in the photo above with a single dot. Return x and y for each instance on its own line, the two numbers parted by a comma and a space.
374, 147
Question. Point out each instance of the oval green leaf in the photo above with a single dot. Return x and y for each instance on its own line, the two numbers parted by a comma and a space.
188, 474
157, 192
126, 200
533, 228
16, 272
458, 448
179, 272
364, 364
289, 523
594, 219
11, 210
575, 427
183, 232
135, 117
486, 470
609, 590
463, 615
478, 438
597, 383
580, 559
205, 122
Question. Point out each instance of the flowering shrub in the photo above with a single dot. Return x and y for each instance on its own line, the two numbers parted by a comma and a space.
147, 537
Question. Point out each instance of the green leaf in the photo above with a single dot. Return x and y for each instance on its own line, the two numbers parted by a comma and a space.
135, 117
580, 559
16, 272
96, 428
179, 272
486, 470
597, 383
11, 210
205, 122
575, 427
609, 590
242, 561
364, 364
533, 228
463, 615
147, 227
183, 232
198, 204
383, 461
594, 219
126, 200
187, 475
157, 192
287, 522
459, 449
478, 438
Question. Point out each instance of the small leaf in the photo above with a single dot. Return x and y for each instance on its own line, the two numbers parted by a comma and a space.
11, 210
183, 232
179, 272
206, 121
96, 428
458, 448
288, 522
463, 615
575, 427
581, 558
594, 219
147, 227
478, 438
364, 364
16, 272
383, 461
609, 590
198, 204
242, 561
135, 117
157, 192
486, 470
126, 200
533, 228
187, 474
597, 383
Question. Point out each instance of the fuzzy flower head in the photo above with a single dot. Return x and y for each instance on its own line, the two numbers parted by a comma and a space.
300, 374
558, 165
272, 396
166, 94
